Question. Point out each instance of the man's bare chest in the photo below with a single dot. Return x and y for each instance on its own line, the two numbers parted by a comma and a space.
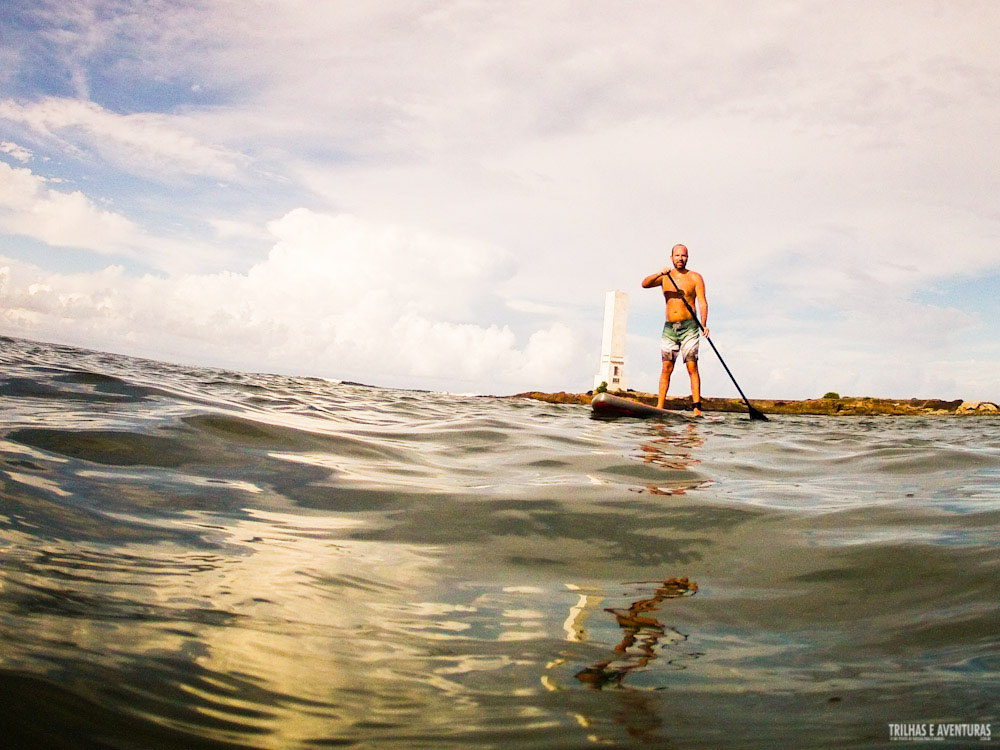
684, 285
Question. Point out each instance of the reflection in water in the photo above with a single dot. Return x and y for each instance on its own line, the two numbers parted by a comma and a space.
578, 613
641, 634
671, 449
644, 639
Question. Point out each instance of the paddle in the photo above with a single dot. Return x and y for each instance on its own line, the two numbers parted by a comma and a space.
754, 413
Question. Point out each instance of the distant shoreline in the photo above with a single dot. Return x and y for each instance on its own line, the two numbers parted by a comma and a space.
846, 406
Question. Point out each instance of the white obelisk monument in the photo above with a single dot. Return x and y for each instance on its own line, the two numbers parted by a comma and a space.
612, 368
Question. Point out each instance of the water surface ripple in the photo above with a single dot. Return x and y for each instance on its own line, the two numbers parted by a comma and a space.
194, 558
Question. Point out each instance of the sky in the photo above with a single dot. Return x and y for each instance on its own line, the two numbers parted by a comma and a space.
438, 195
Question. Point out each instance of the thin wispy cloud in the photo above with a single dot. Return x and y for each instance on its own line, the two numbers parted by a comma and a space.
150, 143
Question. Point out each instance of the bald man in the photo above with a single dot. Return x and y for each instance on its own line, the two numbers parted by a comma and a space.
680, 332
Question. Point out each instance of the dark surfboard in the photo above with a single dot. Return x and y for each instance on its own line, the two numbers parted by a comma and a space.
606, 406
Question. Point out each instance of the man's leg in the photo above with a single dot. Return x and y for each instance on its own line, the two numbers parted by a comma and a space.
692, 365
668, 368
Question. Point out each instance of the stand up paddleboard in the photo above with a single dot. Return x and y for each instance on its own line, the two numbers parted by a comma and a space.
606, 406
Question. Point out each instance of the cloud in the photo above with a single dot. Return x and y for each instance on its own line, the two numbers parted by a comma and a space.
18, 152
228, 228
29, 207
151, 144
336, 296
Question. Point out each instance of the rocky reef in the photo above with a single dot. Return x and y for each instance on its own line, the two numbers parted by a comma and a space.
839, 406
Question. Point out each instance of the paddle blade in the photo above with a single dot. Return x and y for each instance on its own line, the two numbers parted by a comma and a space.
756, 415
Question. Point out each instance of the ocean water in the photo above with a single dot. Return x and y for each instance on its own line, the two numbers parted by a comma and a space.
194, 558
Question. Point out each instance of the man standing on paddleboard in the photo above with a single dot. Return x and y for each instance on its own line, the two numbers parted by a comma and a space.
682, 290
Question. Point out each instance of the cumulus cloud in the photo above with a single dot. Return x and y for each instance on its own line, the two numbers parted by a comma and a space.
336, 296
64, 219
147, 142
31, 207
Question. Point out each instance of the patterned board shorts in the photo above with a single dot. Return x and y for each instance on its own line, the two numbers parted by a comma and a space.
680, 337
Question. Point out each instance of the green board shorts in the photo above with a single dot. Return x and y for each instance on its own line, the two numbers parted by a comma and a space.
681, 338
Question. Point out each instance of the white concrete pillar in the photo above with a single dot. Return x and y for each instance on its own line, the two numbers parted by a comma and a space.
612, 366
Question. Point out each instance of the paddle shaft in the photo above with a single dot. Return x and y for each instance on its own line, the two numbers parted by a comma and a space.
754, 413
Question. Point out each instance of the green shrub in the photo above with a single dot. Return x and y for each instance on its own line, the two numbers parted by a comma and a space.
602, 388
831, 394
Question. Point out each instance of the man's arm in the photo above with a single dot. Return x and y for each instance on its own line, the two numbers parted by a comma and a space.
655, 279
699, 293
